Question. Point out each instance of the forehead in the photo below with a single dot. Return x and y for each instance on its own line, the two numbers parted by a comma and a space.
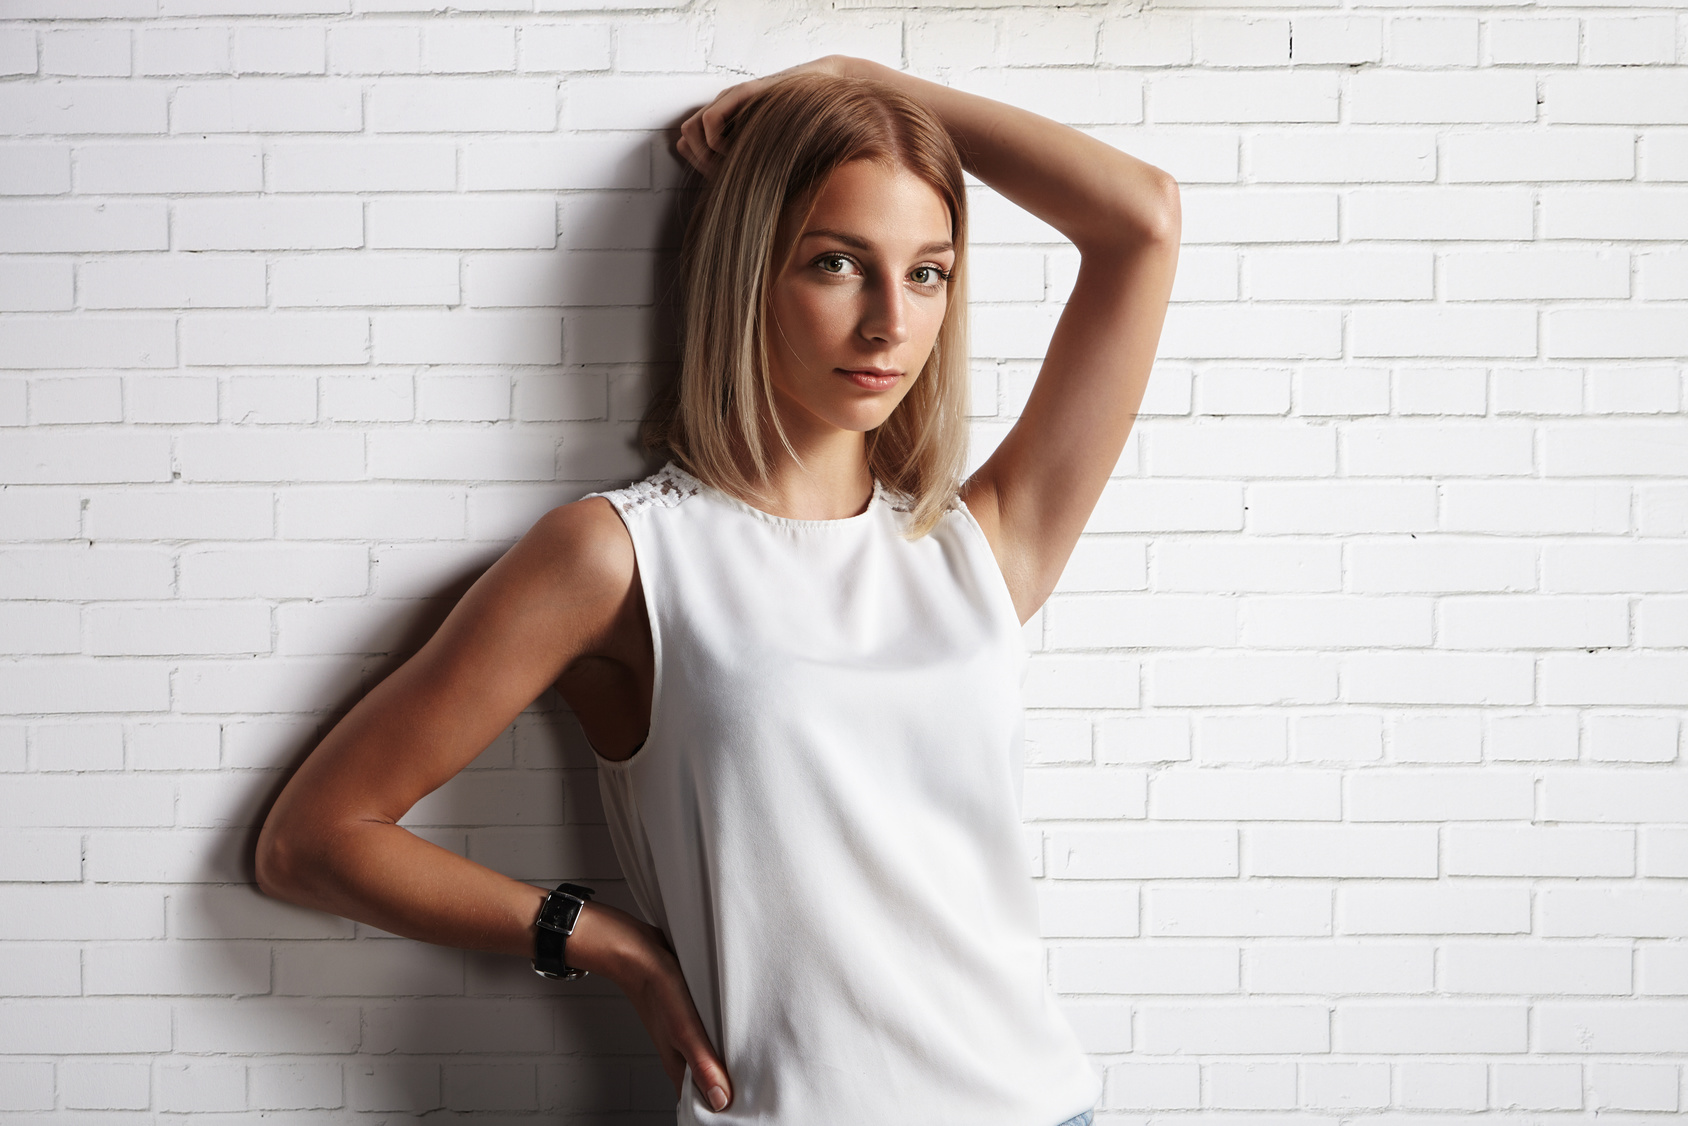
883, 203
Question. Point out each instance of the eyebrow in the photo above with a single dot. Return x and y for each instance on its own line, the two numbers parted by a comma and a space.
861, 244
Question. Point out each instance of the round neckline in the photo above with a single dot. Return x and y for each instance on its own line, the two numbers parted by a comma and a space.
874, 500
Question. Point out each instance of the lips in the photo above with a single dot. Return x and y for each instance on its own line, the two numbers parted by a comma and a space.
871, 379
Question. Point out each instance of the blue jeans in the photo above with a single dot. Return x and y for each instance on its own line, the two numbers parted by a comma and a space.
1084, 1119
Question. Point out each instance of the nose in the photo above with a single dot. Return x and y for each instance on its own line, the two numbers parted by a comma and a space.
884, 318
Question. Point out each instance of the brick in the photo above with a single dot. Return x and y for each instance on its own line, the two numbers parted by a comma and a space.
1338, 506
374, 48
1337, 738
459, 453
68, 107
1629, 41
1250, 1086
269, 224
1345, 1085
1191, 158
1242, 738
1532, 737
1612, 678
179, 513
172, 281
80, 747
275, 338
1610, 1028
27, 513
174, 746
1209, 680
34, 169
1241, 448
1499, 157
1440, 566
1145, 969
173, 168
564, 47
80, 1026
1342, 392
463, 105
44, 857
263, 105
1076, 97
585, 278
1655, 910
1231, 98
1338, 967
1143, 739
1661, 622
1164, 506
1251, 1029
1440, 795
1534, 274
1539, 851
458, 1026
179, 969
1632, 738
71, 399
39, 628
1441, 1027
1396, 97
1429, 737
105, 1084
255, 455
1337, 39
1548, 391
1614, 213
337, 280
386, 513
1616, 332
1153, 1086
1081, 682
1087, 910
1535, 507
1625, 1086
1444, 1086
1343, 851
1082, 792
84, 456
1536, 39
174, 628
1433, 42
1147, 39
1155, 622
362, 166
232, 686
171, 399
468, 338
294, 1086
60, 226
1519, 968
1443, 330
264, 1025
1614, 796
1229, 391
1220, 215
1405, 908
1257, 795
463, 223
87, 686
1655, 390
18, 51
1442, 213
1351, 274
1513, 622
36, 286
239, 911
553, 165
373, 968
1664, 852
1665, 155
1617, 568
295, 49
68, 912
1142, 853
1525, 1086
1664, 274
182, 50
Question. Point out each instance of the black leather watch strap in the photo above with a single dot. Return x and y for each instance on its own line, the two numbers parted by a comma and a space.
555, 923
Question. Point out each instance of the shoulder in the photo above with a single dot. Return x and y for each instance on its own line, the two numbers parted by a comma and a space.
583, 546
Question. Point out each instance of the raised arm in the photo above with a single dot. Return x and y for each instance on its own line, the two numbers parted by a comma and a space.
1035, 493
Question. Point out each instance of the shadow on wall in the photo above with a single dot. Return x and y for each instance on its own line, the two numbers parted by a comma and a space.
414, 1028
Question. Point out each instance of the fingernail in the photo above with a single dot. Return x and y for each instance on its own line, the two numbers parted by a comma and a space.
717, 1098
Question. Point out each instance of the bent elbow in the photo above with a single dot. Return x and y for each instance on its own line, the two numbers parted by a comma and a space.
1162, 222
273, 862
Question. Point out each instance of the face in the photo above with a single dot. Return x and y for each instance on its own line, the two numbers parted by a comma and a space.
856, 308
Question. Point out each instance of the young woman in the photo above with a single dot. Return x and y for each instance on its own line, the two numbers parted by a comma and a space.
796, 649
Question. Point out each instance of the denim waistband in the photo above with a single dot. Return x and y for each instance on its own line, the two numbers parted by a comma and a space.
1084, 1119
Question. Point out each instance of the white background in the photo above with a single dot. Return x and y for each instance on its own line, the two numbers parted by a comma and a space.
1356, 785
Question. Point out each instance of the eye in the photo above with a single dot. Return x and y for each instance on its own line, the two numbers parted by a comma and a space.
833, 264
927, 275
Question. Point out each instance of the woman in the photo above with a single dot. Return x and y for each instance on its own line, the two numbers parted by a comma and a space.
796, 648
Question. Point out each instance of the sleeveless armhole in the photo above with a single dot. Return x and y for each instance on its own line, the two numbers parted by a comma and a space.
983, 543
626, 509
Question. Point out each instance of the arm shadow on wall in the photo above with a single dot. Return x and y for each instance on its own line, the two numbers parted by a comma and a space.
434, 1029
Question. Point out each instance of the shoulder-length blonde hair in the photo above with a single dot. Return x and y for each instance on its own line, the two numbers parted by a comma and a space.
715, 420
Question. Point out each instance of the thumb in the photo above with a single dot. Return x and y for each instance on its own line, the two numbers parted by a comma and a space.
708, 1075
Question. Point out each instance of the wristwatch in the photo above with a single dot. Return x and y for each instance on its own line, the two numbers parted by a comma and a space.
555, 923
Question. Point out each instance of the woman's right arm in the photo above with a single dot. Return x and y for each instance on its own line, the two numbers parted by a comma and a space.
333, 842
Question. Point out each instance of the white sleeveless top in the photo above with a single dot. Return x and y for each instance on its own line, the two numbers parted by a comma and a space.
823, 818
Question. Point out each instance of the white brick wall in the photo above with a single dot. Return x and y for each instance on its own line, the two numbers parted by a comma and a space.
1356, 783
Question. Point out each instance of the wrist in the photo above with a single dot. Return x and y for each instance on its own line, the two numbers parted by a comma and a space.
613, 944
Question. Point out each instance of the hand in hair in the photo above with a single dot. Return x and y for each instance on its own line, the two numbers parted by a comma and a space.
703, 136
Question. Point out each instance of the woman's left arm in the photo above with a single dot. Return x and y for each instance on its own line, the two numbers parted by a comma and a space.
1034, 495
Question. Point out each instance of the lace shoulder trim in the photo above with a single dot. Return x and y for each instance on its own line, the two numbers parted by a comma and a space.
668, 487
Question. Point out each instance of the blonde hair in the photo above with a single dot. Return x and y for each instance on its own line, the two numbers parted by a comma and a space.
714, 419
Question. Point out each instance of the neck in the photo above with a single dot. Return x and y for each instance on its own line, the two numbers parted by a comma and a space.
827, 480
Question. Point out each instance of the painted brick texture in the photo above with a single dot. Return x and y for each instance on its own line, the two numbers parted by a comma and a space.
1355, 780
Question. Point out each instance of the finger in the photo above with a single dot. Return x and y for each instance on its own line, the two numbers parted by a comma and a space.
688, 149
707, 1072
